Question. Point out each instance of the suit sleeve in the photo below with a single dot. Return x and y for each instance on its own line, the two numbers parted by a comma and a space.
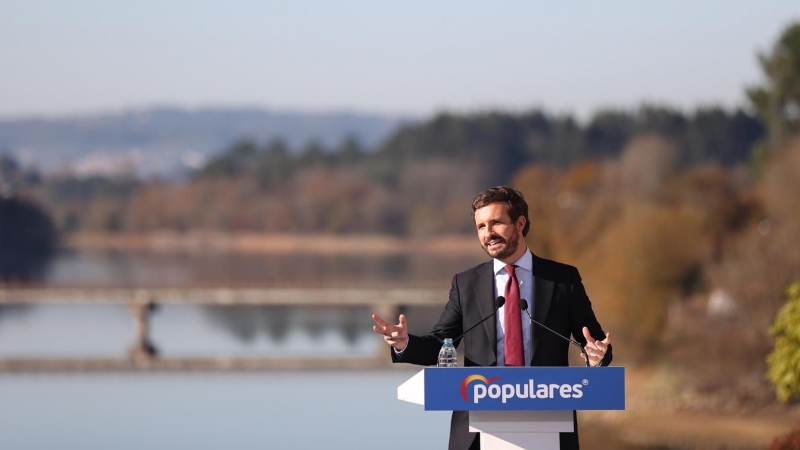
424, 350
582, 315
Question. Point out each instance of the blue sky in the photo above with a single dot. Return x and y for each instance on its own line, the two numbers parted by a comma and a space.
409, 57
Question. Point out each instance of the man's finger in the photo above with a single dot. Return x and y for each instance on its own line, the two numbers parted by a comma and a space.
601, 347
588, 336
380, 321
607, 340
403, 320
380, 330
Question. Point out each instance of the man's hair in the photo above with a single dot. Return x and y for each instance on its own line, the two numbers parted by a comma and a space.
512, 198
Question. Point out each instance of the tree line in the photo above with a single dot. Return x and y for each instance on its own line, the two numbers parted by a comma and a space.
420, 180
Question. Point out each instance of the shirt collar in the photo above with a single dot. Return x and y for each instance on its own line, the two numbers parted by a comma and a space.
524, 262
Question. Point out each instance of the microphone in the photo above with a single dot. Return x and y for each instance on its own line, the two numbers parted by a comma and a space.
523, 305
498, 302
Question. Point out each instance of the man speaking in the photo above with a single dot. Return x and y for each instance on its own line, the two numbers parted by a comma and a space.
553, 290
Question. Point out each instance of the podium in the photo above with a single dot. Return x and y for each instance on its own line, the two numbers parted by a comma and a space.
517, 407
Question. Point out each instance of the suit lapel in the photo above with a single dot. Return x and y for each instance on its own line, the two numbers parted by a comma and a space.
484, 294
542, 296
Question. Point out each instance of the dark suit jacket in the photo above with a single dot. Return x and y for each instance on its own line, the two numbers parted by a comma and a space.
559, 302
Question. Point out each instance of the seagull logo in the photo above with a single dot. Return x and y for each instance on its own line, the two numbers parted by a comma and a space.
472, 378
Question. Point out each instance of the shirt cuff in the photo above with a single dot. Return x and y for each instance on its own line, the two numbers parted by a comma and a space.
600, 364
400, 352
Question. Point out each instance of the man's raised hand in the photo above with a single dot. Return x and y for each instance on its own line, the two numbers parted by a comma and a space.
394, 335
596, 349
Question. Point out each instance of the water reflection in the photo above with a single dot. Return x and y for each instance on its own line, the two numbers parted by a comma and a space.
258, 331
191, 330
276, 322
229, 269
9, 312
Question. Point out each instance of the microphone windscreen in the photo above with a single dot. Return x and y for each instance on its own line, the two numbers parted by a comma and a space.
523, 304
499, 302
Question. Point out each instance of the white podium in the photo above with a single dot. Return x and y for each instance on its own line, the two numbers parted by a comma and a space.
502, 430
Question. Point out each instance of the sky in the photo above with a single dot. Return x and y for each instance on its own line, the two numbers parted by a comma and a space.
409, 58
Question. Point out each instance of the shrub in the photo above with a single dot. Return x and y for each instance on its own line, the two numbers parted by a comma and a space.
784, 361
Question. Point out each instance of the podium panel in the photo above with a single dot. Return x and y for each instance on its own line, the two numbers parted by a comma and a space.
524, 388
517, 407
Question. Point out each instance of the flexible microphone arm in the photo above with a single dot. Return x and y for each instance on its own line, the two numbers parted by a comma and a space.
498, 303
523, 305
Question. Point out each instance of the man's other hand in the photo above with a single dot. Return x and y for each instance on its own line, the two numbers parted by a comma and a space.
394, 335
595, 348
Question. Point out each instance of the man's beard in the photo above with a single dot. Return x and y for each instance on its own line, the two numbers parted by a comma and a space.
510, 247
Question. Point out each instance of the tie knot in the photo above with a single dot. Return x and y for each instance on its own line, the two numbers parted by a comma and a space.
510, 270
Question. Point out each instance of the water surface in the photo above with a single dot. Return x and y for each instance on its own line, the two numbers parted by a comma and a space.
284, 410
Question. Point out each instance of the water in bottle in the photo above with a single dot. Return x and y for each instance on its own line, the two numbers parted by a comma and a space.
447, 355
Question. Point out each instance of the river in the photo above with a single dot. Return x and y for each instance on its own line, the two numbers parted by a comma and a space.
260, 410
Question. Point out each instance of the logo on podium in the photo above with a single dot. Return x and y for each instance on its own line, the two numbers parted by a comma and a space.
524, 388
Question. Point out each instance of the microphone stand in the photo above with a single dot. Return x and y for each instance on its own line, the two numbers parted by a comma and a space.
523, 305
498, 303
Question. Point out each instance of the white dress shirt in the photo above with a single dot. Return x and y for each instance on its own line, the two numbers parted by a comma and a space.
524, 273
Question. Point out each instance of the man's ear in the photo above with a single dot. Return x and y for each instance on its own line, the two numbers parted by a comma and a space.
521, 223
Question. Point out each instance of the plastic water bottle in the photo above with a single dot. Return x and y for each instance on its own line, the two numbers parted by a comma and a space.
447, 355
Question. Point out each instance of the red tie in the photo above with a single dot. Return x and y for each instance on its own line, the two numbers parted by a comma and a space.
515, 352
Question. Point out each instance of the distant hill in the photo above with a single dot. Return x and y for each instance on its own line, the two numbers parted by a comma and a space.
166, 142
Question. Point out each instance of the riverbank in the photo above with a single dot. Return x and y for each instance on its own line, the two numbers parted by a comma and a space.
259, 243
657, 416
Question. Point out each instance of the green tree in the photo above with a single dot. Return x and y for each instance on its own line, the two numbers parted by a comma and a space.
313, 155
784, 361
717, 135
777, 101
241, 157
277, 164
350, 151
607, 133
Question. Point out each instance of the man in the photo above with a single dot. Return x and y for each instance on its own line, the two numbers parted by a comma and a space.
556, 297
